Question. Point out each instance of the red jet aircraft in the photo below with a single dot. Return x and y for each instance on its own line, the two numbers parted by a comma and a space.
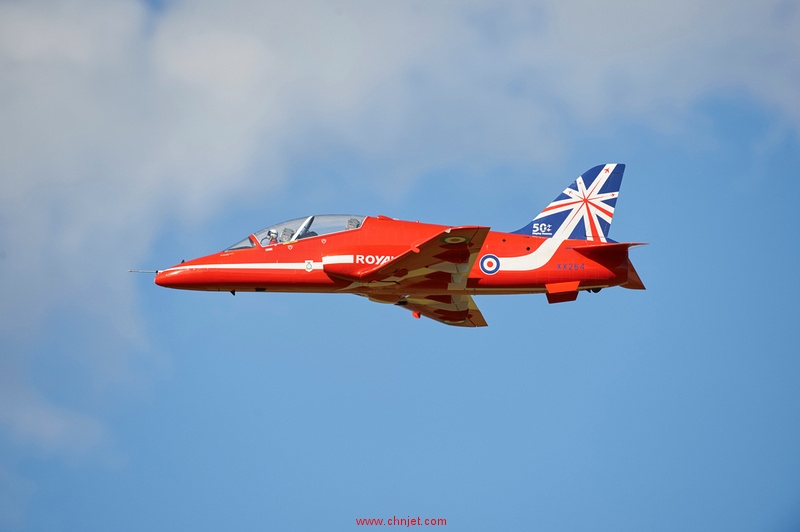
431, 270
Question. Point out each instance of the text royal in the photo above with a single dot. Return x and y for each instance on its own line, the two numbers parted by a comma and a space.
373, 259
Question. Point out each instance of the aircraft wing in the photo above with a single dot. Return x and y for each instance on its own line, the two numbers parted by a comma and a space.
432, 267
458, 310
442, 262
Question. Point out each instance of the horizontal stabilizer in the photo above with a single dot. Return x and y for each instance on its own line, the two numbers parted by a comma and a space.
615, 254
604, 250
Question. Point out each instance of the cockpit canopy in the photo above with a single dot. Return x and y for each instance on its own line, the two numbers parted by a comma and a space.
300, 228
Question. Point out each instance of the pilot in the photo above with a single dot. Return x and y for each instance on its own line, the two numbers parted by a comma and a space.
352, 223
271, 239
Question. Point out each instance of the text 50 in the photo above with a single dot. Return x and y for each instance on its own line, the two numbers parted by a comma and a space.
542, 228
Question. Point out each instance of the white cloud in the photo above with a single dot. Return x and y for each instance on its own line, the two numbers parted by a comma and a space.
116, 117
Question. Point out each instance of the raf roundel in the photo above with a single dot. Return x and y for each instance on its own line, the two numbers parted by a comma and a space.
454, 239
490, 264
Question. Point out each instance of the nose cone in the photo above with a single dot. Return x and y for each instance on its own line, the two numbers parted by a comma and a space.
173, 278
161, 278
188, 275
168, 278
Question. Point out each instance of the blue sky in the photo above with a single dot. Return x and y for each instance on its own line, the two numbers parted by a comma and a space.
135, 135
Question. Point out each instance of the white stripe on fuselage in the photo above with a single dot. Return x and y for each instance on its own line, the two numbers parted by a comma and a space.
532, 261
541, 255
249, 266
316, 265
338, 259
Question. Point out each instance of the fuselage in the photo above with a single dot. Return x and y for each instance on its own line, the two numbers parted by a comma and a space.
507, 263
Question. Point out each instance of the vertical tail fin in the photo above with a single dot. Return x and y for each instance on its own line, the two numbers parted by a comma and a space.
584, 210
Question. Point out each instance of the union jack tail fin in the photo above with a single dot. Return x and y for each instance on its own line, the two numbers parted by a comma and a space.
584, 210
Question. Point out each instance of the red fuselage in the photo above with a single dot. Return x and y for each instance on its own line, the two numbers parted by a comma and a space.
314, 264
